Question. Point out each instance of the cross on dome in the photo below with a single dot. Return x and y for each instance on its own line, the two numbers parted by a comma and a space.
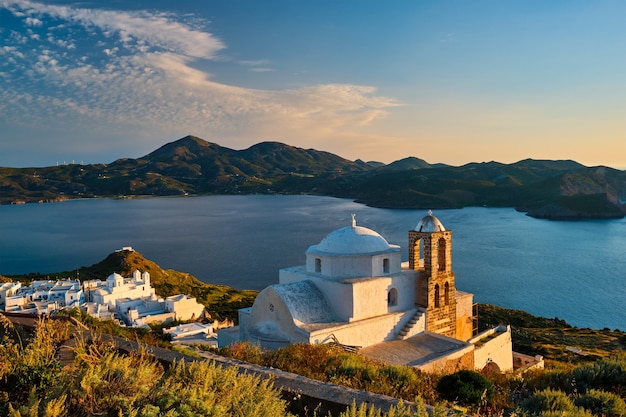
353, 220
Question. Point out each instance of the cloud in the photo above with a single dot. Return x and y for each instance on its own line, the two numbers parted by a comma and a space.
139, 74
159, 30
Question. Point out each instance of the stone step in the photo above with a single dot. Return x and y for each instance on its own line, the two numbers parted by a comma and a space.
409, 325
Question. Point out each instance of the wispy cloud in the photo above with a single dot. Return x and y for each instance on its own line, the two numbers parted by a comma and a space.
118, 70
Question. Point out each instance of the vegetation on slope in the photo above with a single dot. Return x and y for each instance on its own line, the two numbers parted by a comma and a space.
488, 393
554, 339
100, 381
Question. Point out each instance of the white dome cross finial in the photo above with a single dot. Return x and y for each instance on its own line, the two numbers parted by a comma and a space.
353, 220
430, 212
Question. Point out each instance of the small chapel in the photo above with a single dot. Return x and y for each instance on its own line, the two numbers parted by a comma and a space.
355, 291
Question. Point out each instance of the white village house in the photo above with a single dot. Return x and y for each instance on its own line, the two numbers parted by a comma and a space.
131, 300
355, 290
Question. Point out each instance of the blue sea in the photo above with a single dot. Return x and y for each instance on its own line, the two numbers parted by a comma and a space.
574, 270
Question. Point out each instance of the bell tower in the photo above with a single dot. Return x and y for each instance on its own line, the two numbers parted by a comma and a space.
430, 253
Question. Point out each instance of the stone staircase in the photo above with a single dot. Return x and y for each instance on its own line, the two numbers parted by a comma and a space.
409, 325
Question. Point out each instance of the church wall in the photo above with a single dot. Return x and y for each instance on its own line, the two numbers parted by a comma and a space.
245, 319
371, 295
347, 266
494, 345
339, 296
270, 315
365, 332
294, 274
464, 316
457, 361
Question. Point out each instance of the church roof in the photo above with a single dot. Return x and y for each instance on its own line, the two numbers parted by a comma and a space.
115, 276
429, 224
305, 302
352, 240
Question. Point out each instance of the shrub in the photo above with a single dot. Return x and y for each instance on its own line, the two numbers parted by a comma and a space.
548, 400
466, 387
602, 403
352, 368
107, 381
608, 374
202, 388
401, 410
302, 358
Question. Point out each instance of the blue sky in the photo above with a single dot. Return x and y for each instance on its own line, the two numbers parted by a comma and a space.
446, 81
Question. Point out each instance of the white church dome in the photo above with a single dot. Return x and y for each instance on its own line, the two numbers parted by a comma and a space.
352, 240
115, 276
429, 224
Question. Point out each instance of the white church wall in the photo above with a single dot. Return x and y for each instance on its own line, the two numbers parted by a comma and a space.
494, 345
346, 266
364, 332
294, 274
244, 316
339, 296
371, 295
271, 317
393, 264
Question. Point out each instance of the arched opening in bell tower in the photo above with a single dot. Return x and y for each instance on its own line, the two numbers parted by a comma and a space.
441, 253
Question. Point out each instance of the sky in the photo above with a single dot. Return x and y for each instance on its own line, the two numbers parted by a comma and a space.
446, 81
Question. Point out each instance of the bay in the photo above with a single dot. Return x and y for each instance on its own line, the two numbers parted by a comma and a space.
572, 270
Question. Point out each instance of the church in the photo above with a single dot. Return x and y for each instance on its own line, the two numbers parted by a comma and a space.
355, 291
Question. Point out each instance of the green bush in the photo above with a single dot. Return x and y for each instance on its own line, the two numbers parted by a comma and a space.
101, 381
465, 387
548, 400
401, 410
607, 374
602, 403
201, 388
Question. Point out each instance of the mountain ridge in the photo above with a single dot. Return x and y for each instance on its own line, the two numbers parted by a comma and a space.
556, 189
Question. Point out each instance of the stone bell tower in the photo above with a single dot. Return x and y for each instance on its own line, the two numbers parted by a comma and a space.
430, 253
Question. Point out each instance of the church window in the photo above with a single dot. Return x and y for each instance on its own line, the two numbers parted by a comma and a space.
385, 266
392, 297
318, 265
446, 294
442, 254
437, 295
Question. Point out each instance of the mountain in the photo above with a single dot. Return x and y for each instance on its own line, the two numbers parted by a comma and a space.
407, 163
560, 189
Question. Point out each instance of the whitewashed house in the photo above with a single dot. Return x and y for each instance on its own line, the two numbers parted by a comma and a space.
7, 290
184, 307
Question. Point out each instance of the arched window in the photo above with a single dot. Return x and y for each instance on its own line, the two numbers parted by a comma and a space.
441, 244
437, 295
392, 297
446, 294
385, 266
318, 265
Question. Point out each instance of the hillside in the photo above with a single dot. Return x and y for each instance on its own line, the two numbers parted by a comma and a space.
220, 301
192, 166
553, 338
